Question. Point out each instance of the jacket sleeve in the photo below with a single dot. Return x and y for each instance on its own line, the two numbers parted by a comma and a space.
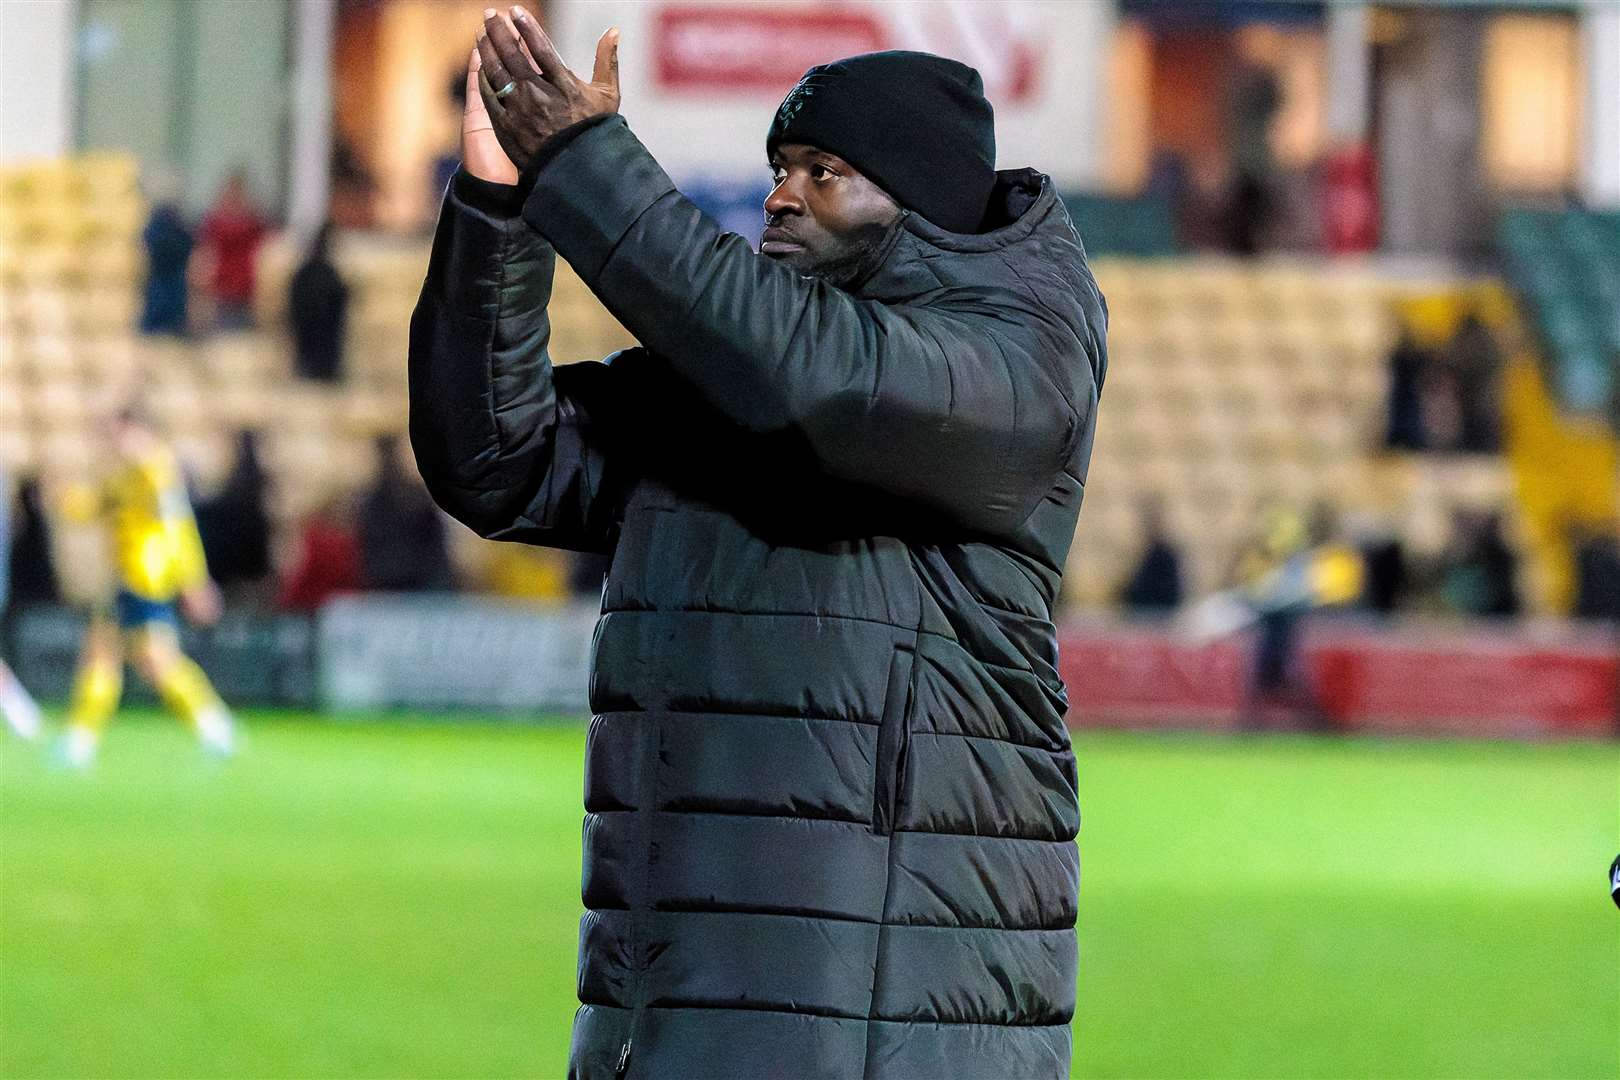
944, 403
510, 447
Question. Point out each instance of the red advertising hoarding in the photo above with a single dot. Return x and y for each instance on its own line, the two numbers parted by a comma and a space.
1409, 681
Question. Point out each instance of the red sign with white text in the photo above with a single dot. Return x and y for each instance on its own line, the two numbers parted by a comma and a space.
756, 48
765, 47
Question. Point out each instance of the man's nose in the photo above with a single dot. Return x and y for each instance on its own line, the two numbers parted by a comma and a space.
783, 200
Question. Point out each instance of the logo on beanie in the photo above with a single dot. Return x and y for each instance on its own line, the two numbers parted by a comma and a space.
795, 101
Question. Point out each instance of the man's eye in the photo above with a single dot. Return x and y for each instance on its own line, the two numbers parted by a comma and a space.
821, 172
778, 175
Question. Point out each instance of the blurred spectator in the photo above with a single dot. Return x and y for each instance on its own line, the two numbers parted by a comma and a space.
1479, 574
328, 559
318, 308
1475, 361
5, 546
18, 708
235, 528
1155, 584
1407, 365
1384, 557
168, 242
231, 234
352, 185
1256, 97
348, 169
1167, 178
33, 570
403, 547
1597, 571
1441, 405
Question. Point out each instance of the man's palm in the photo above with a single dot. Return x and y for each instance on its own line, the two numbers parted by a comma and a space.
481, 152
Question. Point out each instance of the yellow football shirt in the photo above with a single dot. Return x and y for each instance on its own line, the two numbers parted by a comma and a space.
157, 553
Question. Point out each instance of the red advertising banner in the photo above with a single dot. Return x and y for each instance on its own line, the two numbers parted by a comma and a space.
755, 48
764, 47
1410, 681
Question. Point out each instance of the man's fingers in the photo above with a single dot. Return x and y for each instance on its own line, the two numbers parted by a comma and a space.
473, 64
491, 70
504, 39
606, 71
527, 55
492, 104
541, 48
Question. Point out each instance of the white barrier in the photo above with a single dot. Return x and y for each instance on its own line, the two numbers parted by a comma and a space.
419, 652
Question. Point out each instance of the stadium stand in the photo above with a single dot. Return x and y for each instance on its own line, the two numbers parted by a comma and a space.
1231, 384
70, 272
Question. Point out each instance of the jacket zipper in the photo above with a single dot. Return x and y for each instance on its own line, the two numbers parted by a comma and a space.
892, 739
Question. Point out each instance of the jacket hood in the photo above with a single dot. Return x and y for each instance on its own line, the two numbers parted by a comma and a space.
1021, 202
1033, 243
1031, 263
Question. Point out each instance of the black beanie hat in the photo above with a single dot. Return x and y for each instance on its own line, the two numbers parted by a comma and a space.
915, 124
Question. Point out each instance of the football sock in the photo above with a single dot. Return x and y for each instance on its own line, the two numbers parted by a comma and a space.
188, 693
96, 690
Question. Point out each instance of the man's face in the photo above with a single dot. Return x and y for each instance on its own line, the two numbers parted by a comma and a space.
823, 218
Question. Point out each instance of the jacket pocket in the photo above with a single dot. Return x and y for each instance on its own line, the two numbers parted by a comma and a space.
894, 733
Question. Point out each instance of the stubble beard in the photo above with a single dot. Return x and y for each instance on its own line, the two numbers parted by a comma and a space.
851, 261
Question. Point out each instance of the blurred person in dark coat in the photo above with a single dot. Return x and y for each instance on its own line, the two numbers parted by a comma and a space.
168, 240
1155, 584
1384, 557
1479, 574
33, 566
1408, 367
1256, 95
403, 546
830, 794
18, 708
235, 527
1597, 571
1475, 358
318, 309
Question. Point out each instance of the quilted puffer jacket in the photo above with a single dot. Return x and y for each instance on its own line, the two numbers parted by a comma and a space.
830, 797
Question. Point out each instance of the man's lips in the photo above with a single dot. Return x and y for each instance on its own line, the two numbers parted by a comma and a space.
778, 242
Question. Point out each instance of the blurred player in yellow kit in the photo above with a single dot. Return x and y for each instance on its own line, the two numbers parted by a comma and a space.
1286, 577
158, 560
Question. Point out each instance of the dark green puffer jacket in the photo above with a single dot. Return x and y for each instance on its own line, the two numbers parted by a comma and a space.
830, 797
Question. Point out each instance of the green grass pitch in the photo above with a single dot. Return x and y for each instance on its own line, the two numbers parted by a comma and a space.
387, 898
